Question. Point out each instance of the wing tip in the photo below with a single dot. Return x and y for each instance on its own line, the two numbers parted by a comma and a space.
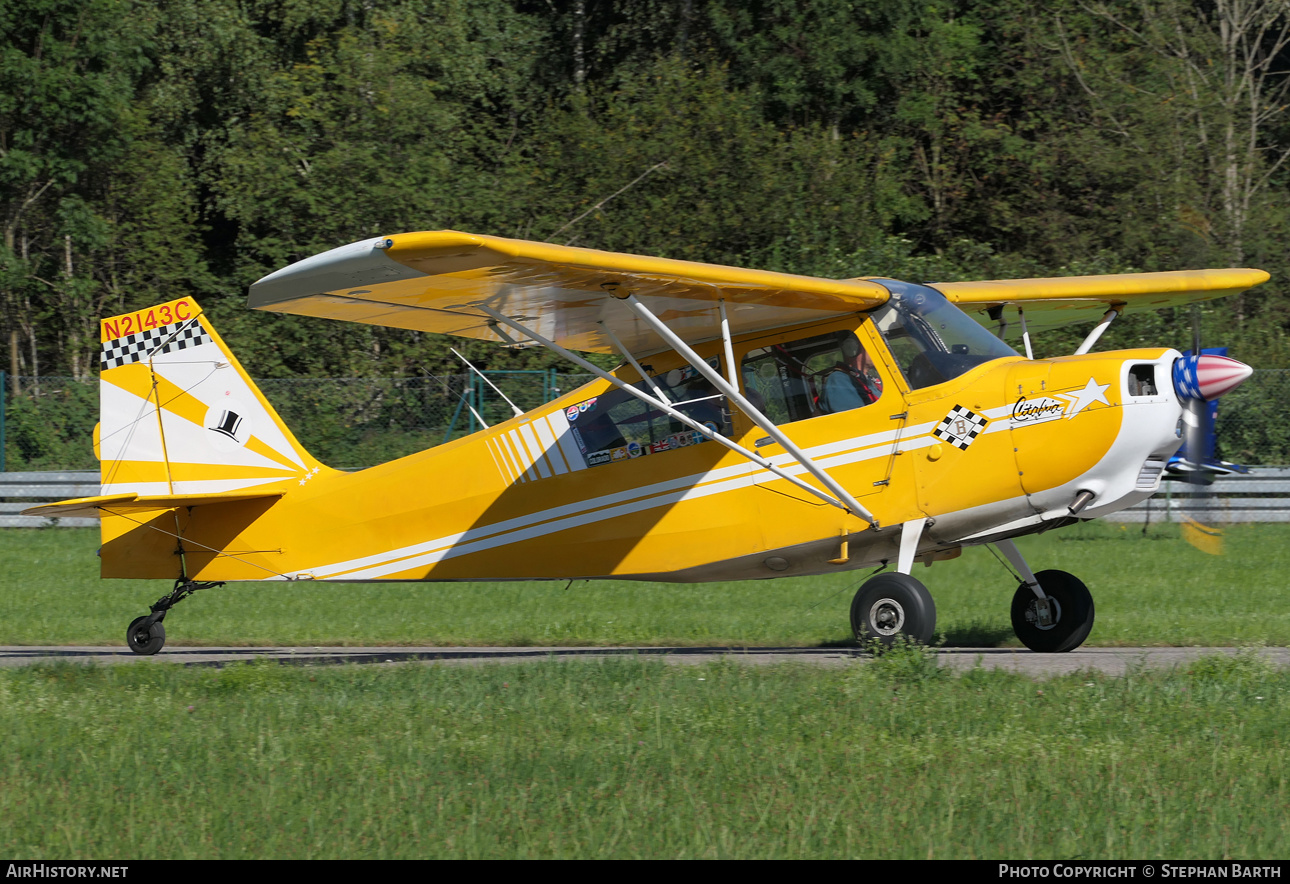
331, 270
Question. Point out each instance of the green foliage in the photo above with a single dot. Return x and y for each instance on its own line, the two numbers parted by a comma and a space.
52, 427
1251, 425
150, 150
904, 664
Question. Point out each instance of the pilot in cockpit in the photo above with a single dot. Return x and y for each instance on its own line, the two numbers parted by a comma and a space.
853, 383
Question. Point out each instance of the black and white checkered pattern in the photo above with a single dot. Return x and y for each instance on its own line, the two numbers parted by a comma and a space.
166, 339
948, 428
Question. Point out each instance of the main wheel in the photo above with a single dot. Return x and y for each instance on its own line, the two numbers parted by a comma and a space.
1073, 609
892, 605
147, 642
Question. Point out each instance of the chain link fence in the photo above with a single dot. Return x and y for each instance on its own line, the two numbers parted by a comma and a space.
1252, 426
348, 423
351, 423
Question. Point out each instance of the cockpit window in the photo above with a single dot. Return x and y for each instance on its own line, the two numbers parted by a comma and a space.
617, 426
810, 377
932, 340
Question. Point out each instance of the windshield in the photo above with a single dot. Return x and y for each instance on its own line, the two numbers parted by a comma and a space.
932, 340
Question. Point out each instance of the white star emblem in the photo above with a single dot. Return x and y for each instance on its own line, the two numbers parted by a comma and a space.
1092, 392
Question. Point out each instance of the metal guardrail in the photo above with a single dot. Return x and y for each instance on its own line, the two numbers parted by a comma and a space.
20, 490
1262, 495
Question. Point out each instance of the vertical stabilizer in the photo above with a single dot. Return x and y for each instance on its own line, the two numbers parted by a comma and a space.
178, 415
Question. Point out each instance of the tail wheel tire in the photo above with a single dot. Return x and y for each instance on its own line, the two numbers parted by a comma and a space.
890, 606
145, 643
1073, 609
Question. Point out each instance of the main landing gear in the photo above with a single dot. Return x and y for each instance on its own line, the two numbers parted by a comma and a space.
146, 635
1052, 611
893, 605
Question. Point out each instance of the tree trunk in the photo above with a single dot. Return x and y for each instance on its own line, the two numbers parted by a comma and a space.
579, 54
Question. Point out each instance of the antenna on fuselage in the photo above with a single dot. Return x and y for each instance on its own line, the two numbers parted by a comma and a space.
514, 408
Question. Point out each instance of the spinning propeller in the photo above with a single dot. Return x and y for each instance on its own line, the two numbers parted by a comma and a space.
1199, 379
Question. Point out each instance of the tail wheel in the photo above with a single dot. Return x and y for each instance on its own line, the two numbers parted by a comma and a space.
145, 642
1073, 613
892, 605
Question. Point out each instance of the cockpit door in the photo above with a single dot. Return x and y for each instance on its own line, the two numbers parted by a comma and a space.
832, 393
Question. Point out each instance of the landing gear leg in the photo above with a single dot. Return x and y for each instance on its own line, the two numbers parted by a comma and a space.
1052, 611
145, 635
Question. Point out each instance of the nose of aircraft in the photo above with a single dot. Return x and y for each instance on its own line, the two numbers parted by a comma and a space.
1206, 377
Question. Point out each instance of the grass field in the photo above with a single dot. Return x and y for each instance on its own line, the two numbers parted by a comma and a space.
624, 758
1149, 590
887, 758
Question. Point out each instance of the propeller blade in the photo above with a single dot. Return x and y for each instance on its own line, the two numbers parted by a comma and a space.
1198, 526
1206, 538
1196, 429
1199, 379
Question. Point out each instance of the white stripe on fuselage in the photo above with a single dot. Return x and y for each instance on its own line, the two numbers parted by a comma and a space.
666, 493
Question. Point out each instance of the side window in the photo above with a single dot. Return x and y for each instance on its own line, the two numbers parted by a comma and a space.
618, 426
810, 377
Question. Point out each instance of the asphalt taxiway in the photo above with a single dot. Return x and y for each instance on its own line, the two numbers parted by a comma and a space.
1111, 661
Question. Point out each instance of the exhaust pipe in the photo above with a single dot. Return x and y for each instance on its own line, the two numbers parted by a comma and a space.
1083, 499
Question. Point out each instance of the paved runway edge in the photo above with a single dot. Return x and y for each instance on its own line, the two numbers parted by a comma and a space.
1111, 661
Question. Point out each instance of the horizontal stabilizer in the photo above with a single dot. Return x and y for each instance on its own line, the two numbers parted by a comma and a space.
93, 507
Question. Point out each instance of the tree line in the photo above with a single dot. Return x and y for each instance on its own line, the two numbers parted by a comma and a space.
156, 148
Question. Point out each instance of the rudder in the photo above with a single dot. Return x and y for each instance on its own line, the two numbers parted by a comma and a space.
178, 415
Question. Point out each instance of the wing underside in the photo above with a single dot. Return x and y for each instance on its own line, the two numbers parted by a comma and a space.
431, 282
436, 281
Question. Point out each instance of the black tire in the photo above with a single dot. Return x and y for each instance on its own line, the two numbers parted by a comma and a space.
145, 644
1074, 613
892, 605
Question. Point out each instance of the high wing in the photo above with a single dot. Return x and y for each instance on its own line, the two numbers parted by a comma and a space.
429, 282
433, 282
1058, 301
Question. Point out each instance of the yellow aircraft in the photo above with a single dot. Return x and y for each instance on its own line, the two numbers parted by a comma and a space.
760, 425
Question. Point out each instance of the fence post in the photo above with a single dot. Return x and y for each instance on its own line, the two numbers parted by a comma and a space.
3, 404
452, 425
479, 401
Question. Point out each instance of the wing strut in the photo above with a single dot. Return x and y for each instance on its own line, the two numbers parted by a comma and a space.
1098, 329
669, 410
754, 413
631, 360
1025, 332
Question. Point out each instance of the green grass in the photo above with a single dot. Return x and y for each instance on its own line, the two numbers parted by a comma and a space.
627, 758
1149, 590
